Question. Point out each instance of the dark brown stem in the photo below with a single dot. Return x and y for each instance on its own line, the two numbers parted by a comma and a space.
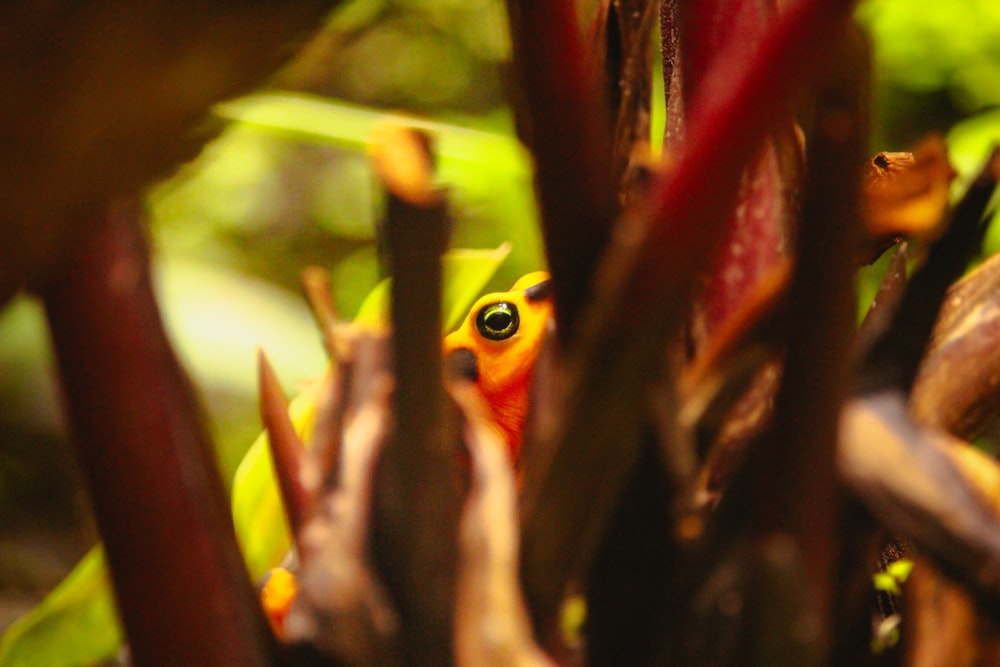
796, 483
670, 55
182, 587
633, 567
417, 498
564, 125
621, 38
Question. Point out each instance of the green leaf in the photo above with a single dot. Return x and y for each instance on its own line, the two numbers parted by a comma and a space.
465, 274
340, 124
75, 625
945, 45
374, 310
572, 618
257, 512
258, 516
488, 175
969, 145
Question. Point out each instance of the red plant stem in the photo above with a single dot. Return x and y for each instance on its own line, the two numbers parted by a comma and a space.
756, 239
644, 295
731, 113
182, 587
707, 26
566, 128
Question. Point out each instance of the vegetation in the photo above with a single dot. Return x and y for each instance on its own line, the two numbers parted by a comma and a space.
770, 575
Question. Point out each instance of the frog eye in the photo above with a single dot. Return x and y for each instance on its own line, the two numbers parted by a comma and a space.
498, 321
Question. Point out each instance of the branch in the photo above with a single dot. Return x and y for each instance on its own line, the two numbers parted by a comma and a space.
417, 496
342, 607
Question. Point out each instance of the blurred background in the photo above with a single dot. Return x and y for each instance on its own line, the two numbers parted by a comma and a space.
286, 184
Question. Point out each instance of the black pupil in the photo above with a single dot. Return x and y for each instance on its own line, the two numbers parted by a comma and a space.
498, 321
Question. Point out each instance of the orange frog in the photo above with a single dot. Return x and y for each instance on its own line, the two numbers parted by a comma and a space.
496, 347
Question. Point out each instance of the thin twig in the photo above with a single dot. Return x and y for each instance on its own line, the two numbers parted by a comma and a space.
316, 285
287, 451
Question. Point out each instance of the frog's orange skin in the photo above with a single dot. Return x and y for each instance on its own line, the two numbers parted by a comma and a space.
503, 368
277, 594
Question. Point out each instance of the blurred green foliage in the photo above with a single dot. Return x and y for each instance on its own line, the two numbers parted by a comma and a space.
286, 184
73, 627
936, 63
936, 69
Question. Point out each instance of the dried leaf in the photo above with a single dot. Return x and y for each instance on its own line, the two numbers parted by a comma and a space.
906, 194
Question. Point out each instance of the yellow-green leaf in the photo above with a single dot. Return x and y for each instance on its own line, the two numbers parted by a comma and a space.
257, 511
74, 626
466, 273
